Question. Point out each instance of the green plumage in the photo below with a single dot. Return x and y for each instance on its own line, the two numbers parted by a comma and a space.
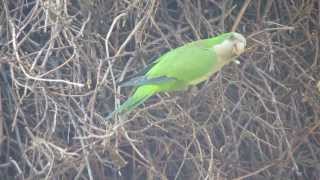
177, 69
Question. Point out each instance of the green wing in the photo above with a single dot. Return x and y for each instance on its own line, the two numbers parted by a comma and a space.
143, 80
189, 64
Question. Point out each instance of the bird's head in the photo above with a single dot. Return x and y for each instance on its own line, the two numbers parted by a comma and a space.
239, 43
233, 44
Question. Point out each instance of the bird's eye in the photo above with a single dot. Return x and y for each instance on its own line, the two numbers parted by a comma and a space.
233, 37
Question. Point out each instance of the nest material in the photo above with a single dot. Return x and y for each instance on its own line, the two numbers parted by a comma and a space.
61, 60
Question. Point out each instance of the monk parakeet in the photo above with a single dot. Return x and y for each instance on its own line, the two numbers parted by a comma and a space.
187, 65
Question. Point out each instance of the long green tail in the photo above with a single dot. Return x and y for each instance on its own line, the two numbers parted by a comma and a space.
140, 95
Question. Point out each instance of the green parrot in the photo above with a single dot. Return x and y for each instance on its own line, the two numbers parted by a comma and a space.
187, 65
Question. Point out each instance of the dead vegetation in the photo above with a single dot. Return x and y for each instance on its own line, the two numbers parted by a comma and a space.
60, 62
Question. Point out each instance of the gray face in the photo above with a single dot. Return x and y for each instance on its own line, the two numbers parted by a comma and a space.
232, 46
239, 43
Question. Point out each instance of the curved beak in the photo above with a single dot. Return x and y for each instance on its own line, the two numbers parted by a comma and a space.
239, 48
239, 43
